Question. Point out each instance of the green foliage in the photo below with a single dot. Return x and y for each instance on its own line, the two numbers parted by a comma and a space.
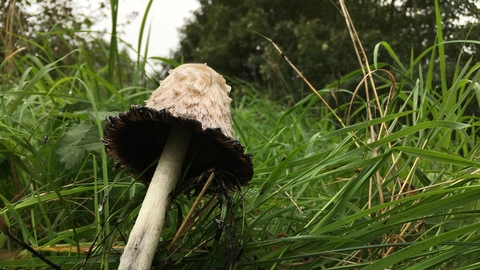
76, 142
397, 188
314, 37
44, 24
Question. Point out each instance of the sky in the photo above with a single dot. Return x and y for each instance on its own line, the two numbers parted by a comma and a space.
164, 19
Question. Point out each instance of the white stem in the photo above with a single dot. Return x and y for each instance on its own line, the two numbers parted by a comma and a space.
143, 240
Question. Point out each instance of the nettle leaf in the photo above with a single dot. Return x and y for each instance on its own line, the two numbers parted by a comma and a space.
77, 142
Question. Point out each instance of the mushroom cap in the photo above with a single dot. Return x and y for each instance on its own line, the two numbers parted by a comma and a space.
195, 97
195, 91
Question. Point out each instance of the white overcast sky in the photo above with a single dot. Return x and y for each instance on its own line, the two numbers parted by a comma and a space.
164, 19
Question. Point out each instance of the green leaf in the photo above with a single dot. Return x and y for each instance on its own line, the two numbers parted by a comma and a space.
76, 142
476, 88
438, 156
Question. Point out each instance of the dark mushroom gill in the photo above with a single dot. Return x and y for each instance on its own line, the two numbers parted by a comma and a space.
135, 139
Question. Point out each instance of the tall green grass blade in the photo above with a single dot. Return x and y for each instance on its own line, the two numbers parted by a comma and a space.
441, 50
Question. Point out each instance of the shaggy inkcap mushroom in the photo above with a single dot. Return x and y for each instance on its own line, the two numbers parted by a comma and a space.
186, 127
195, 97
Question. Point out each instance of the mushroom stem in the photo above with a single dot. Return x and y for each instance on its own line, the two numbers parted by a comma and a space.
143, 240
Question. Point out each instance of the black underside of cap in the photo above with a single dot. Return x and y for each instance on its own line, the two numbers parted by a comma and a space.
135, 139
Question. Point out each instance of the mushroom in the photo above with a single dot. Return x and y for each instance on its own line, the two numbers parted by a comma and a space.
186, 125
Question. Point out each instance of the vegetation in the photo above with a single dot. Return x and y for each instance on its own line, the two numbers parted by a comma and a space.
399, 189
315, 38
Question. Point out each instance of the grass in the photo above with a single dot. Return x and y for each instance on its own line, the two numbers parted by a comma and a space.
395, 187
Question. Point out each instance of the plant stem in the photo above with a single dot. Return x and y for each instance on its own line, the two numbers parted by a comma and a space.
190, 213
143, 240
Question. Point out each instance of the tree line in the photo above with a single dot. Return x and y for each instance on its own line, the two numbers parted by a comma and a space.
313, 35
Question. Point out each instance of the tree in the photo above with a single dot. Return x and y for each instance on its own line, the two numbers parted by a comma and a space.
313, 36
